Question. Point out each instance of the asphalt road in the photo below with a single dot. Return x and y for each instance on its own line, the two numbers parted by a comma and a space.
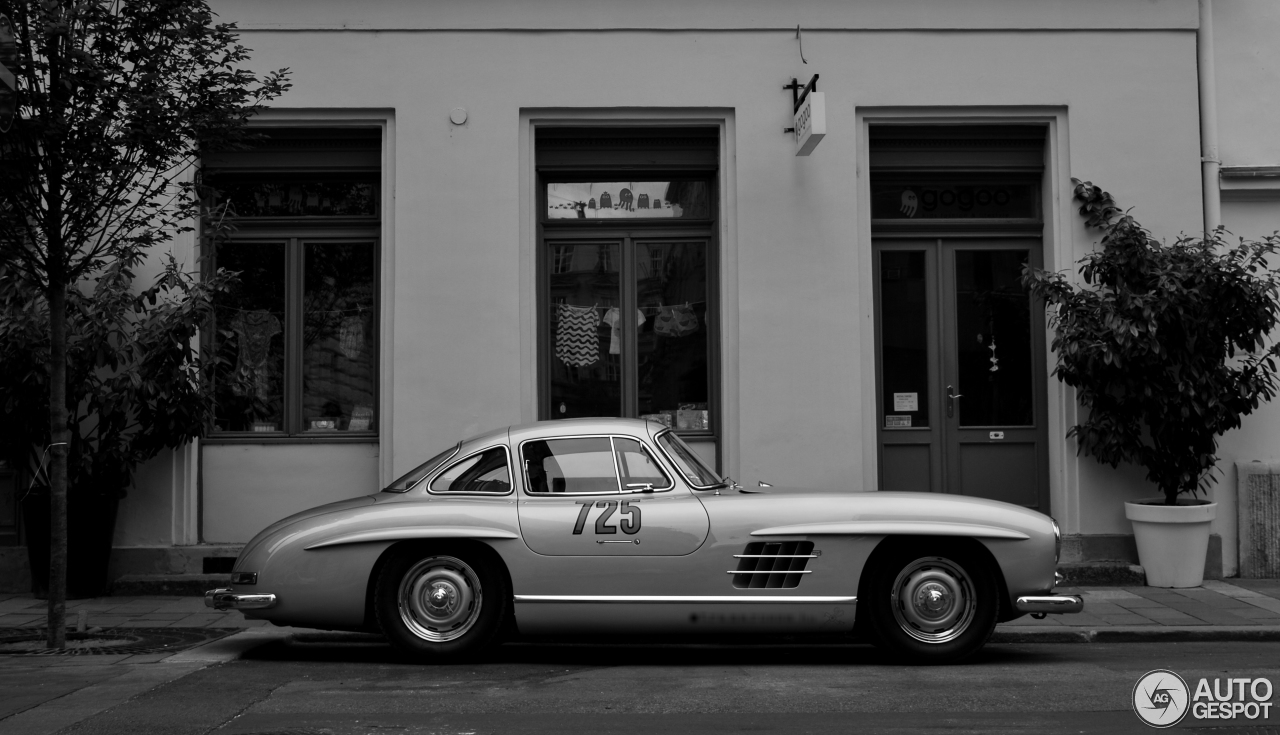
300, 688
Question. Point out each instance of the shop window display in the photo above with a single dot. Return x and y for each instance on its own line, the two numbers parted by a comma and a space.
297, 334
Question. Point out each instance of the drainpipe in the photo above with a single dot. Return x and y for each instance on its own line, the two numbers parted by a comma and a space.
1209, 161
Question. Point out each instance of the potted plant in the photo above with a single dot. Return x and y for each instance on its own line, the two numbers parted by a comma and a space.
136, 383
1166, 348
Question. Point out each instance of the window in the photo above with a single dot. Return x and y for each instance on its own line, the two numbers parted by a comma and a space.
570, 466
297, 333
593, 465
414, 476
687, 461
485, 472
627, 268
637, 468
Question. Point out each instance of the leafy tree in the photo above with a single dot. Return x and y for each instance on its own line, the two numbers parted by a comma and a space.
1164, 344
116, 101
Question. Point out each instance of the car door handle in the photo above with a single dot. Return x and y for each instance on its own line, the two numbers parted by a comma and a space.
951, 401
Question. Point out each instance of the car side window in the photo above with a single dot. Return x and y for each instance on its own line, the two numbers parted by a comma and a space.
486, 472
583, 465
637, 467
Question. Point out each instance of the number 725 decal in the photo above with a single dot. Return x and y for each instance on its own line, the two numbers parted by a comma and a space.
628, 516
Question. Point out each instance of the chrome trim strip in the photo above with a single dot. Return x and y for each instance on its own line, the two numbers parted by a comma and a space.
412, 532
676, 599
1050, 604
771, 571
887, 528
224, 599
775, 556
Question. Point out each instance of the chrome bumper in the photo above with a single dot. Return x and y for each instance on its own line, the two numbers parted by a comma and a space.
1050, 604
225, 599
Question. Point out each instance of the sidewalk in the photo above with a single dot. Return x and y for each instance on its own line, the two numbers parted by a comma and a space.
1220, 610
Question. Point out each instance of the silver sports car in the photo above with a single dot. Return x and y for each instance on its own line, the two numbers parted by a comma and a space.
615, 526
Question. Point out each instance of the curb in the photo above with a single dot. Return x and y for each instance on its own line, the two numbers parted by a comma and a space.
1139, 634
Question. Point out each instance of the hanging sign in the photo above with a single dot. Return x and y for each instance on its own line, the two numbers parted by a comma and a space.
810, 122
808, 115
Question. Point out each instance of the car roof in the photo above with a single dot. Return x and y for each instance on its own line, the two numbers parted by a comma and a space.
563, 427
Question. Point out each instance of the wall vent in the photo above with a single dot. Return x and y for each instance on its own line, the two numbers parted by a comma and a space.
772, 564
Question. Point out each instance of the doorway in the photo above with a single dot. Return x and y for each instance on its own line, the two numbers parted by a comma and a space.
961, 369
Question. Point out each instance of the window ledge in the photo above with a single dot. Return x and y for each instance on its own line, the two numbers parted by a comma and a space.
249, 437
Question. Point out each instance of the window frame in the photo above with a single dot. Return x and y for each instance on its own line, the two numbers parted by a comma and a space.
296, 233
617, 471
629, 234
671, 483
447, 465
667, 456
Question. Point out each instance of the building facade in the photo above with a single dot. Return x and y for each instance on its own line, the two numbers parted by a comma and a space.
465, 215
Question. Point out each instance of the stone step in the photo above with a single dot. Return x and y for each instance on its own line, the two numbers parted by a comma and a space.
1102, 573
186, 585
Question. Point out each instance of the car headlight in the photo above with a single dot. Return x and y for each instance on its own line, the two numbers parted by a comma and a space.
1057, 541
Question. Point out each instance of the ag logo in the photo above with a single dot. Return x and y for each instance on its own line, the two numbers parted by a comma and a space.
1160, 698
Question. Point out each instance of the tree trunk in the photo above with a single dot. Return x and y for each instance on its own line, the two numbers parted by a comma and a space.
61, 437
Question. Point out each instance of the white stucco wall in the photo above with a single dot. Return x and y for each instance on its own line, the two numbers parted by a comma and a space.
1127, 101
1247, 76
249, 486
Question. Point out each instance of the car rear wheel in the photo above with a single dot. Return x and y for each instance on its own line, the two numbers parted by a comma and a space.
933, 605
440, 605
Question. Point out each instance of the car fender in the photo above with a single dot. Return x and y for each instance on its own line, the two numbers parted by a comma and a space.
319, 566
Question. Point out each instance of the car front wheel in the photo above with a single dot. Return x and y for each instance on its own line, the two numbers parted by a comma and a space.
440, 606
935, 605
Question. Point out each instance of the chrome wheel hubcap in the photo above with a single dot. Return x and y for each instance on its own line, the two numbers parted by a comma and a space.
933, 600
439, 598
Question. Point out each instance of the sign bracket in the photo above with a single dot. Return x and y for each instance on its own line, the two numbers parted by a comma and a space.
798, 94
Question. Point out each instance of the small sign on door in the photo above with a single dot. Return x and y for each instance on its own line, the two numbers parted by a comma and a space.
897, 422
906, 402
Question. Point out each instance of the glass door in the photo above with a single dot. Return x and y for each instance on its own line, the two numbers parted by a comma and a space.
961, 369
994, 374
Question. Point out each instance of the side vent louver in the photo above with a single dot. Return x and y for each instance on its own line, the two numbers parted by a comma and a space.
772, 564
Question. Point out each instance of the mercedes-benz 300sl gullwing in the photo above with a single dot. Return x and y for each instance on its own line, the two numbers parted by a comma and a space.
617, 527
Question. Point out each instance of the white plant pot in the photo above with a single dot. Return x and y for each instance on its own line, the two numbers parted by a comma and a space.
1172, 539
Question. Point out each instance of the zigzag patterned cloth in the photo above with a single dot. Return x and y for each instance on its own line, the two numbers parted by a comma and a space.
576, 340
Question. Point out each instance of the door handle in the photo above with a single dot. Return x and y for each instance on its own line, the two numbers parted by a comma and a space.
951, 401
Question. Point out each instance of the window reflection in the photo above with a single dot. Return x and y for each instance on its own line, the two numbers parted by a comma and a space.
904, 339
338, 337
629, 200
585, 330
250, 325
993, 338
671, 290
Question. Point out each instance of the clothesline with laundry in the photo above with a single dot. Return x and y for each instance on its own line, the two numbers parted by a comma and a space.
655, 309
576, 342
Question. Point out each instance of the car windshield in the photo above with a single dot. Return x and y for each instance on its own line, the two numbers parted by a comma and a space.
687, 461
417, 473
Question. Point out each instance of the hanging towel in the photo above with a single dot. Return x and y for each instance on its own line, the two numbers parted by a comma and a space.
351, 337
576, 341
675, 321
255, 330
613, 318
